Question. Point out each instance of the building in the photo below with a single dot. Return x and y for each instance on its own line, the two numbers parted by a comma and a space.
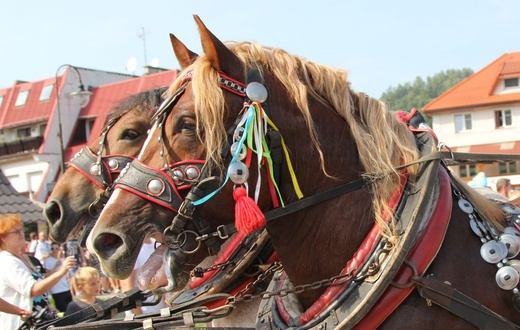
481, 114
77, 103
12, 202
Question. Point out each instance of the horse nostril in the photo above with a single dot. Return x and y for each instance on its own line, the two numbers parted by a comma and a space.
107, 244
52, 211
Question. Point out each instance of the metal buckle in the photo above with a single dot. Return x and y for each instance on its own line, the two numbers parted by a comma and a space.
222, 232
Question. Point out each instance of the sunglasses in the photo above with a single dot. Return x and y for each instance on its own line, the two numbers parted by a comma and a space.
55, 248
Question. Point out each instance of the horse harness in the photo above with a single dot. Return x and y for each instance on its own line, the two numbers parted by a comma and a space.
360, 269
359, 275
102, 171
365, 298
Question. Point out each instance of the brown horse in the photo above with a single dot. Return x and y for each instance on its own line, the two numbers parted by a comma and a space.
333, 137
67, 209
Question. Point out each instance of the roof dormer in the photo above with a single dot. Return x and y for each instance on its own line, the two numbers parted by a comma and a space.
509, 78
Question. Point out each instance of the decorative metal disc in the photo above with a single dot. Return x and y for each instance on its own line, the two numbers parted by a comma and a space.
238, 133
512, 243
507, 278
515, 264
493, 251
178, 173
256, 92
475, 228
95, 169
238, 172
510, 209
243, 151
113, 164
155, 187
465, 206
192, 172
512, 231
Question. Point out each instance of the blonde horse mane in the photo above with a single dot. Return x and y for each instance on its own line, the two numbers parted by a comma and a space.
373, 127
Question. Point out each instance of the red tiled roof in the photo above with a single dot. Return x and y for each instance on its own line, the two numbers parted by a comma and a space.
477, 89
33, 110
106, 97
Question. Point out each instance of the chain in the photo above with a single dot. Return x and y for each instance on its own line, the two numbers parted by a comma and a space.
244, 296
199, 271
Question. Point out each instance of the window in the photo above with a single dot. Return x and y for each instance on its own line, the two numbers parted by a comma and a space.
22, 98
1, 100
23, 132
83, 130
46, 92
507, 168
511, 82
42, 129
467, 171
89, 123
462, 122
503, 118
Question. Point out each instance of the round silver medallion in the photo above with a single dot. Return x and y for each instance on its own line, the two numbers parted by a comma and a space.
155, 187
95, 169
239, 131
507, 278
493, 251
178, 173
512, 243
243, 151
256, 92
510, 209
515, 264
113, 164
465, 206
475, 228
512, 231
192, 172
238, 172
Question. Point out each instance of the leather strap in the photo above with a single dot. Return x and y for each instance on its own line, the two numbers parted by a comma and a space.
102, 310
447, 297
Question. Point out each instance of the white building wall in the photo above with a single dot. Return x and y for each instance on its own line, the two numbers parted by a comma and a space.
25, 175
483, 130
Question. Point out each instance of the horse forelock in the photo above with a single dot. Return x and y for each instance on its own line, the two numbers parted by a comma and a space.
146, 101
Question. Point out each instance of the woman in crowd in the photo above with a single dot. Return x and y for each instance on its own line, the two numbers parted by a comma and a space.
18, 286
61, 291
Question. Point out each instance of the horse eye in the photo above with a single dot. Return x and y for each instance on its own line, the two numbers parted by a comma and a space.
130, 134
188, 125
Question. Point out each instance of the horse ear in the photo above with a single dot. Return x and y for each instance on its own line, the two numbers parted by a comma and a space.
185, 56
220, 57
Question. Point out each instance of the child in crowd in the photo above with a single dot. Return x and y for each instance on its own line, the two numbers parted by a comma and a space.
88, 286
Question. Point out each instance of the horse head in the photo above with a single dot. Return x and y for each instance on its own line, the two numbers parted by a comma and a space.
94, 168
230, 109
137, 209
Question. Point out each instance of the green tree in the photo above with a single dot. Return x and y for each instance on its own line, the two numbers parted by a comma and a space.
420, 92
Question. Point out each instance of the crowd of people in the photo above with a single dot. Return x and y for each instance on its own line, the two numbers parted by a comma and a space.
46, 277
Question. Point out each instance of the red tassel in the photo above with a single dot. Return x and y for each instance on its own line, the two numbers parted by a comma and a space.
248, 217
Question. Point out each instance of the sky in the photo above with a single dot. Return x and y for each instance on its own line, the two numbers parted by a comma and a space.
381, 43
